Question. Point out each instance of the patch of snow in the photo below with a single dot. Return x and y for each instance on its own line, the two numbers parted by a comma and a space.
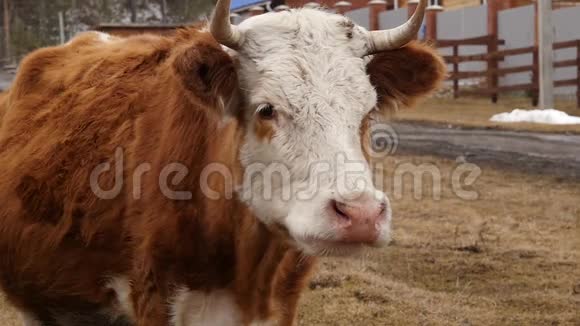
548, 116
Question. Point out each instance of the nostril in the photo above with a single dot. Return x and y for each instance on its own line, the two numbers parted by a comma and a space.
382, 208
340, 209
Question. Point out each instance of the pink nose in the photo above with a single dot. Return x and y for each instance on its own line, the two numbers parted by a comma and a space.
360, 219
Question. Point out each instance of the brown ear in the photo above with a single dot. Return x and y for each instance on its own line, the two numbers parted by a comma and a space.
406, 74
207, 72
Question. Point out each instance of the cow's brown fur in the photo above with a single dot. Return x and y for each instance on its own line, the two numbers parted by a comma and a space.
407, 74
3, 105
71, 107
401, 77
263, 130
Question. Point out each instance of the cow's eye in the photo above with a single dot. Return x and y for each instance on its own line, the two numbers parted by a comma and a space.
266, 111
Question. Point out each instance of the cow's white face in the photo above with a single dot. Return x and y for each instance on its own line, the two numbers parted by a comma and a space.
306, 93
309, 92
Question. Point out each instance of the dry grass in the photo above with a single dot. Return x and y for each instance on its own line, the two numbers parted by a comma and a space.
511, 257
476, 112
8, 317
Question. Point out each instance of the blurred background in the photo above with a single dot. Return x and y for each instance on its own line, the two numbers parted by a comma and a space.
491, 46
30, 24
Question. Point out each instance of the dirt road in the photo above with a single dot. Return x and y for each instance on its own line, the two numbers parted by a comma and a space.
553, 154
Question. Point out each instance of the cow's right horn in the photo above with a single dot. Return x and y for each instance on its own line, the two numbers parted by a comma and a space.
221, 28
397, 37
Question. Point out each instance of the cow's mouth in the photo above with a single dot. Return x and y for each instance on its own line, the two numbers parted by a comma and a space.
313, 245
331, 247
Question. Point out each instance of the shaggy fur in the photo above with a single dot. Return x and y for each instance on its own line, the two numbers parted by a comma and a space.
3, 105
406, 74
161, 100
157, 98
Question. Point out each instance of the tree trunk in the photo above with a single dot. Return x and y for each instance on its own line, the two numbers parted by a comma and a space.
163, 11
104, 13
133, 9
42, 19
7, 49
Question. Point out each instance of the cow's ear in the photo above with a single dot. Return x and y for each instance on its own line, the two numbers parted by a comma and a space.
208, 74
406, 74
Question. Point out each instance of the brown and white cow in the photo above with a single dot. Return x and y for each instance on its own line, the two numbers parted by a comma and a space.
132, 186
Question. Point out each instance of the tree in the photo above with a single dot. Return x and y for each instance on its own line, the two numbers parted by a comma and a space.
133, 9
30, 24
163, 11
7, 8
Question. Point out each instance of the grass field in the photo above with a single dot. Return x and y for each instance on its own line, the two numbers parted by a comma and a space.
476, 112
510, 257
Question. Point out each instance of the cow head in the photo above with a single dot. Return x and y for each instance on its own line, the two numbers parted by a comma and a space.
311, 83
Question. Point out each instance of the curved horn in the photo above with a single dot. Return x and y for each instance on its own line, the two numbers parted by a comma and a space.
399, 36
221, 28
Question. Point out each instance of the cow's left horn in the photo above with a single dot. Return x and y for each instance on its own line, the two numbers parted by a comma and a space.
399, 36
221, 28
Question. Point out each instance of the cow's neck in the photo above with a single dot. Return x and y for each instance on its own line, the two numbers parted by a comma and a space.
265, 260
267, 268
225, 245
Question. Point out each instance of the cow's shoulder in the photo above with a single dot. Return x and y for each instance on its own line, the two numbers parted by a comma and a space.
90, 59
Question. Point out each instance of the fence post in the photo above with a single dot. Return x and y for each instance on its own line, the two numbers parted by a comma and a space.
535, 77
342, 7
578, 74
455, 71
431, 22
546, 54
492, 46
375, 9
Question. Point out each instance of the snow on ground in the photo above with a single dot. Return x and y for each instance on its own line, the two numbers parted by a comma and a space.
549, 116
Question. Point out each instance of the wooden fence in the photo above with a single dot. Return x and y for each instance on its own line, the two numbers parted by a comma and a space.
134, 29
493, 72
